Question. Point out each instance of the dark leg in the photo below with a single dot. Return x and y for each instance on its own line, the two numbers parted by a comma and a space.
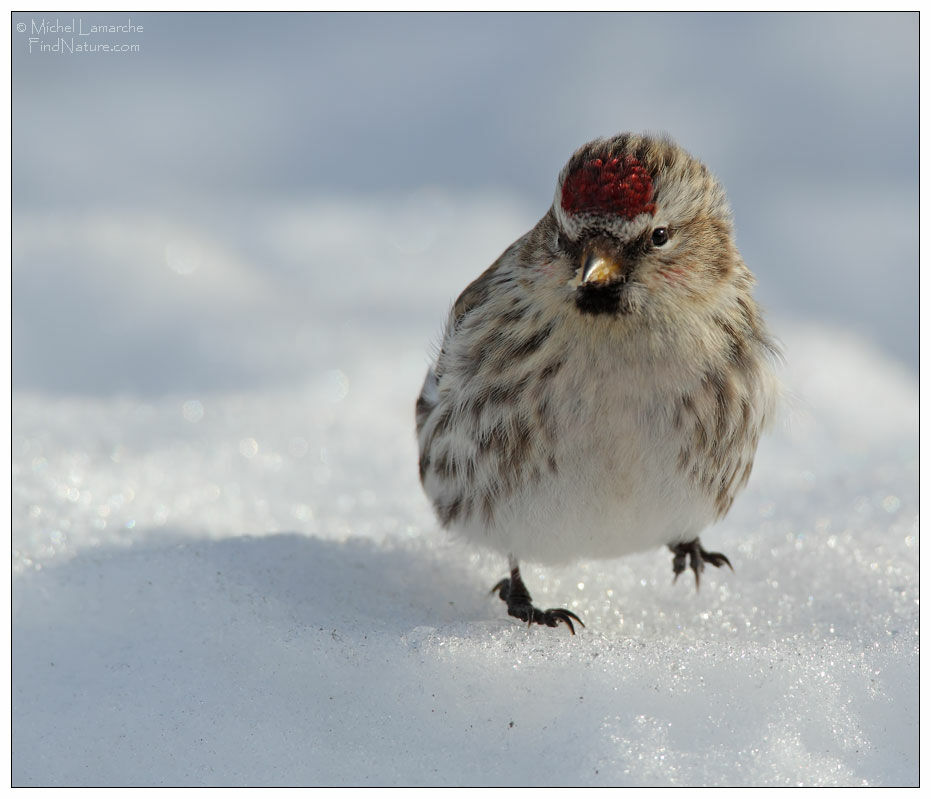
697, 556
513, 591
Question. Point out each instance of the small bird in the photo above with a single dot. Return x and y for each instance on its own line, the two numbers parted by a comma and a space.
601, 388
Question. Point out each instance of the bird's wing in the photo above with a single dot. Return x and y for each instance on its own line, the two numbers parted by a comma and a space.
479, 289
427, 400
473, 295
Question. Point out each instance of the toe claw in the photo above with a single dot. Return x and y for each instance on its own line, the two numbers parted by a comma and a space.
717, 559
553, 616
697, 558
513, 591
568, 622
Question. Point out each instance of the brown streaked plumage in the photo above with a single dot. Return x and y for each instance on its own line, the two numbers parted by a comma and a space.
602, 386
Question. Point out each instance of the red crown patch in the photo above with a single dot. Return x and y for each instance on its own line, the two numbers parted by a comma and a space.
616, 185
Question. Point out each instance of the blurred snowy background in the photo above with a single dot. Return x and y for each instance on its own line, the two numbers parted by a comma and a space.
232, 252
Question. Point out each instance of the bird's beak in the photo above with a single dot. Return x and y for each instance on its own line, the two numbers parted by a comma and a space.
598, 269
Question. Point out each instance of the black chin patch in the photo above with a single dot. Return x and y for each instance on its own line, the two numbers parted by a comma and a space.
603, 299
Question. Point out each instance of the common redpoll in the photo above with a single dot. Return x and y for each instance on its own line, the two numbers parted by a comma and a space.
601, 388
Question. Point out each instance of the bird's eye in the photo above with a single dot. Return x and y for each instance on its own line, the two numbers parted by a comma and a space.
660, 236
564, 243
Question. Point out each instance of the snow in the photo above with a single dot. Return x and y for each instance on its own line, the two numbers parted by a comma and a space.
248, 587
224, 569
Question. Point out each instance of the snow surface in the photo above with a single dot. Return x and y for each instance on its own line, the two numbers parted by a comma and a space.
232, 254
248, 587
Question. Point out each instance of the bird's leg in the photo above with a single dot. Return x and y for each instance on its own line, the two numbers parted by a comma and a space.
697, 556
513, 591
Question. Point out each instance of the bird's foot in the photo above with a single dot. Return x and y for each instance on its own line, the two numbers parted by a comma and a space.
697, 556
513, 591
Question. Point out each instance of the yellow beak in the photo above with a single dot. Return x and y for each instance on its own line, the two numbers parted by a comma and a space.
600, 269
